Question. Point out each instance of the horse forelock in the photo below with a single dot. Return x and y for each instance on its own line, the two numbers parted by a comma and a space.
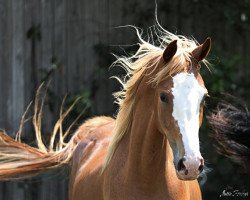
147, 58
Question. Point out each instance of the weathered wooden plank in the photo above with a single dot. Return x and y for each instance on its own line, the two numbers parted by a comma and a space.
5, 35
16, 101
59, 48
5, 71
47, 43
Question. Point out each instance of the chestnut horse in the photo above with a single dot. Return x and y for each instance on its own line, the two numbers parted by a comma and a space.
150, 151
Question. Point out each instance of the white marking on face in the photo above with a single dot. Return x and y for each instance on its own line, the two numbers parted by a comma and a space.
187, 97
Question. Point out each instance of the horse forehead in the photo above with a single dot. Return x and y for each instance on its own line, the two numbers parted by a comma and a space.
188, 84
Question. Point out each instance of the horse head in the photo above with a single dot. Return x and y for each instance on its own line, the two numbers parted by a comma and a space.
180, 99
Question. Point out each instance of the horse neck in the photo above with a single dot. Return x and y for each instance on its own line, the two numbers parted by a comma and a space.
145, 146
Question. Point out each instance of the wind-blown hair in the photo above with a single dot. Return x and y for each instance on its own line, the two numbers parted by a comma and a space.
19, 160
231, 127
147, 58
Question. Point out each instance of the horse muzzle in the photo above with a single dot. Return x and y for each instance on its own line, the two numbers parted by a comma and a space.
188, 168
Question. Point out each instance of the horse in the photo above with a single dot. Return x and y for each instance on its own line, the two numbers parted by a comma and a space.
230, 123
150, 150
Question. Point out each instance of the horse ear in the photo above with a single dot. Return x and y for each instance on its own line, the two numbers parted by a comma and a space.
170, 51
200, 52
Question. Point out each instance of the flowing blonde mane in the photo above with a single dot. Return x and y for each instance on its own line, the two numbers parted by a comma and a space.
147, 56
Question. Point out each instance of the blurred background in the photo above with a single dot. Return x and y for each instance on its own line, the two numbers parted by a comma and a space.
68, 44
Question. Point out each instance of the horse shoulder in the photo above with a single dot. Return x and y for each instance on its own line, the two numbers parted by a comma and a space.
93, 138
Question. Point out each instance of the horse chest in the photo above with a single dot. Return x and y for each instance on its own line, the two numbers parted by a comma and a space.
135, 193
124, 188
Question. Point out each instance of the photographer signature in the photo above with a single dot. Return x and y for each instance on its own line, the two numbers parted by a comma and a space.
231, 192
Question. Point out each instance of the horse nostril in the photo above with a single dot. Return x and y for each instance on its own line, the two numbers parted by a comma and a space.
201, 167
180, 165
202, 161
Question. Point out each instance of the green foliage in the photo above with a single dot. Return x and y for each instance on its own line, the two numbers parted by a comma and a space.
34, 33
83, 102
225, 75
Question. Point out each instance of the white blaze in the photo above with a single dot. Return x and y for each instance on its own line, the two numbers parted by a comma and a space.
187, 96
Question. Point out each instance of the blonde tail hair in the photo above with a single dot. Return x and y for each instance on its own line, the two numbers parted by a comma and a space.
19, 160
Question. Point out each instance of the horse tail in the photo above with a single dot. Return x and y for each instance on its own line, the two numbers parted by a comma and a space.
231, 127
19, 160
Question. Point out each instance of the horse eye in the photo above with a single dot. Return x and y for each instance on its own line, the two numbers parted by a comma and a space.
163, 97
